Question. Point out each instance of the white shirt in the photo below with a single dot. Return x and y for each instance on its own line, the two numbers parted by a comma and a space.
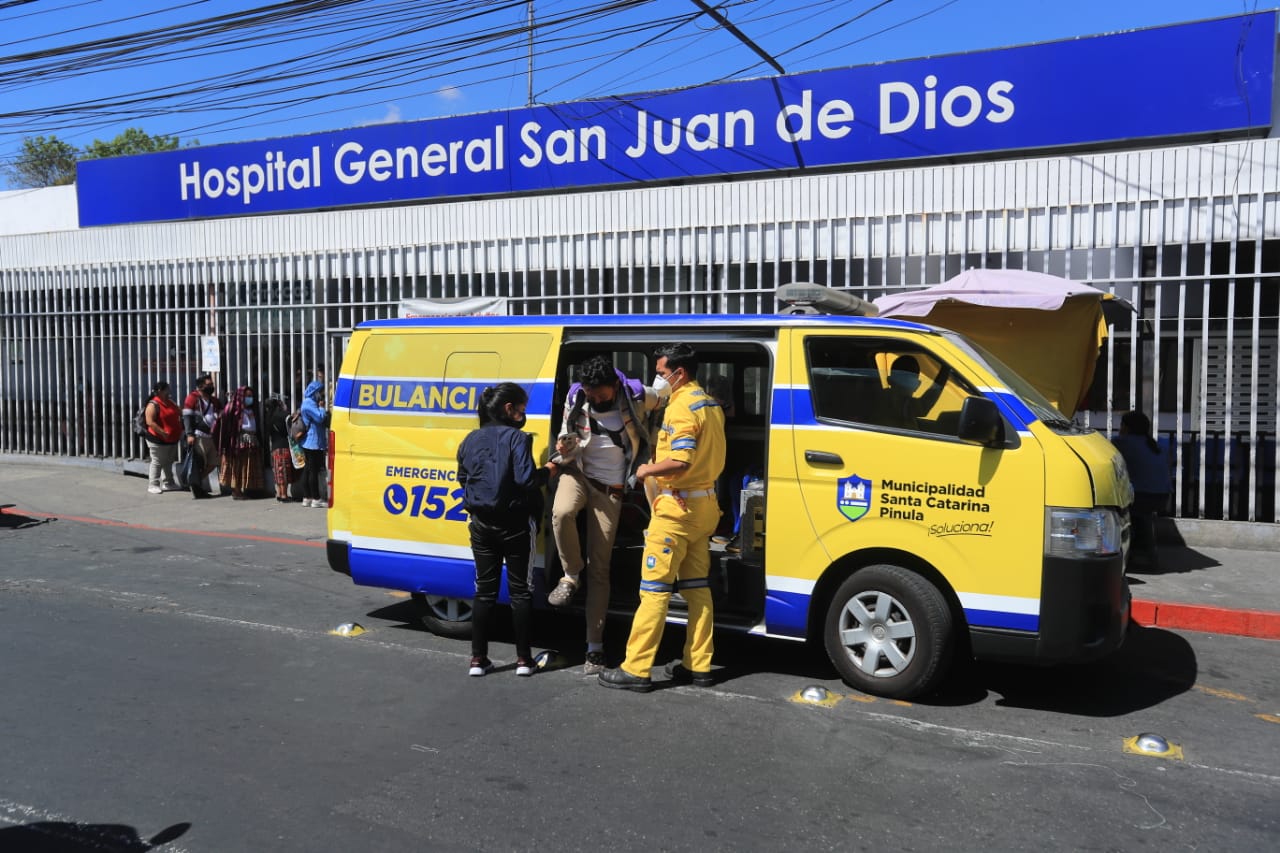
601, 459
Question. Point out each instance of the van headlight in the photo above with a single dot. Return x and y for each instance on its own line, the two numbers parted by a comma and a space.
1081, 533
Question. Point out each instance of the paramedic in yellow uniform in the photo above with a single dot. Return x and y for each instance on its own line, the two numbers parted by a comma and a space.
677, 556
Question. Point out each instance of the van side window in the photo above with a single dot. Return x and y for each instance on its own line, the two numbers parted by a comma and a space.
884, 383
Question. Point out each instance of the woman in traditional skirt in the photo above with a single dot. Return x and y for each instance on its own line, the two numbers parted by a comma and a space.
239, 434
277, 430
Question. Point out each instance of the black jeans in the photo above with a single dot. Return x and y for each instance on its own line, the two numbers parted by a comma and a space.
313, 473
1142, 520
492, 545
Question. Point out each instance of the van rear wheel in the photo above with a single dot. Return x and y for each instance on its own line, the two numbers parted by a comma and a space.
888, 631
447, 617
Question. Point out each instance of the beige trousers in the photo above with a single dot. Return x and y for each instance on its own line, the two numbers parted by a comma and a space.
573, 495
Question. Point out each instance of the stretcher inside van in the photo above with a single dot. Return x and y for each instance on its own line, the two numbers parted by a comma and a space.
898, 495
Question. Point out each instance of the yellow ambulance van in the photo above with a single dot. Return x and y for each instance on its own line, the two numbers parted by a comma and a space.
903, 497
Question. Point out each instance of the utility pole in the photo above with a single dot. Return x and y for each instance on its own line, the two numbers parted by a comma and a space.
530, 75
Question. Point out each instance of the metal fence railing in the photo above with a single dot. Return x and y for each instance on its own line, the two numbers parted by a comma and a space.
82, 344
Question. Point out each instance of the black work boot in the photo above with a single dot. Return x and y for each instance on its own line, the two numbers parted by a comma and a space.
623, 680
680, 675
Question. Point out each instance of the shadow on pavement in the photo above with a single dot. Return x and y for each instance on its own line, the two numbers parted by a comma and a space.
1151, 667
65, 837
1173, 561
17, 521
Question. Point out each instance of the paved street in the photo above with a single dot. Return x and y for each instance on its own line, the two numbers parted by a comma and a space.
185, 689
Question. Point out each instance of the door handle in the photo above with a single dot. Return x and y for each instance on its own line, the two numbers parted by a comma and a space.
822, 457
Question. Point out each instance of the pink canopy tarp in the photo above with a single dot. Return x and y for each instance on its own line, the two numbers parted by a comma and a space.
1048, 329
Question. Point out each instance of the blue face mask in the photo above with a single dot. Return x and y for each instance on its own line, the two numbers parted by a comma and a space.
248, 401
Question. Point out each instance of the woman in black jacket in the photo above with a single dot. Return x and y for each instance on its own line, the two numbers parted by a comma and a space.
501, 492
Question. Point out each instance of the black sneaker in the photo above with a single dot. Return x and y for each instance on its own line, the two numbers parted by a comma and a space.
480, 666
677, 673
622, 680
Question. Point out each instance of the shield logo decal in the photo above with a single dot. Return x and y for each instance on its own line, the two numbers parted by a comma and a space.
853, 496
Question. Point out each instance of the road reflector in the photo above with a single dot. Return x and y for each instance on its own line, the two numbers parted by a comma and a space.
816, 694
1153, 745
348, 629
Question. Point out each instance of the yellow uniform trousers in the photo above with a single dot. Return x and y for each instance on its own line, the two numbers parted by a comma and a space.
676, 556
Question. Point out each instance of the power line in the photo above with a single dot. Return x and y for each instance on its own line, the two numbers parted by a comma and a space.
306, 59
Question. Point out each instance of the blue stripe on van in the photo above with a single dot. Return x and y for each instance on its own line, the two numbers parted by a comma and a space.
792, 407
445, 576
344, 396
1013, 407
786, 613
1001, 619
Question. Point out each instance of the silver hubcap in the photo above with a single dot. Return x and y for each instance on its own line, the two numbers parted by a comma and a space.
877, 633
449, 609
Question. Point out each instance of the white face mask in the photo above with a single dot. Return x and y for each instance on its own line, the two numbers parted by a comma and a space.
661, 387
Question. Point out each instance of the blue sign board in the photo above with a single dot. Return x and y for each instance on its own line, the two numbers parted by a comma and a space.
1185, 80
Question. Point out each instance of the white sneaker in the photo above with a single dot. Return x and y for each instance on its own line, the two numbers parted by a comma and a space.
155, 490
320, 504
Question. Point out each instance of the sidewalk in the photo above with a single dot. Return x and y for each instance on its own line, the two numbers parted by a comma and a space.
1204, 585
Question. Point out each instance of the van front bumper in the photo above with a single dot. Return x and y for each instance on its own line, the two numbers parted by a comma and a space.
1084, 613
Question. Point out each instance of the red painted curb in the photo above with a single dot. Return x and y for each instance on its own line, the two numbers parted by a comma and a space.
1215, 620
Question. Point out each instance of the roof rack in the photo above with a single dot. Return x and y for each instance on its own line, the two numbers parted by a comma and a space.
808, 298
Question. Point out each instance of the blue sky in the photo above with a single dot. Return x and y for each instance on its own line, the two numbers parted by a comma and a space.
580, 59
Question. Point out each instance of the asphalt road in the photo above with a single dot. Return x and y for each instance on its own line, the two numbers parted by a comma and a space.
185, 690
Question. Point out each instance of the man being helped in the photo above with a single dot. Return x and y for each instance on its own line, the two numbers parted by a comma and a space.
604, 438
689, 459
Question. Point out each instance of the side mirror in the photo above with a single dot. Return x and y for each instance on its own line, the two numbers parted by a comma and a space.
981, 423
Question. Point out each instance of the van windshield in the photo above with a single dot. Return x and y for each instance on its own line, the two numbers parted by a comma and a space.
1035, 401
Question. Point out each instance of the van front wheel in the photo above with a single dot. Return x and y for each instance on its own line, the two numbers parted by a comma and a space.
888, 632
447, 617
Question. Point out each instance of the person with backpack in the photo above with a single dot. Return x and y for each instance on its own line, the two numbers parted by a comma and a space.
605, 436
314, 443
163, 422
501, 493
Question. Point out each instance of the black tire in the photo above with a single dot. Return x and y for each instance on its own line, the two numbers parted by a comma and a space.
888, 632
447, 617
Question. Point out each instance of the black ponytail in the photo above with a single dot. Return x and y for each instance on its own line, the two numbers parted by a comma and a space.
156, 389
494, 400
